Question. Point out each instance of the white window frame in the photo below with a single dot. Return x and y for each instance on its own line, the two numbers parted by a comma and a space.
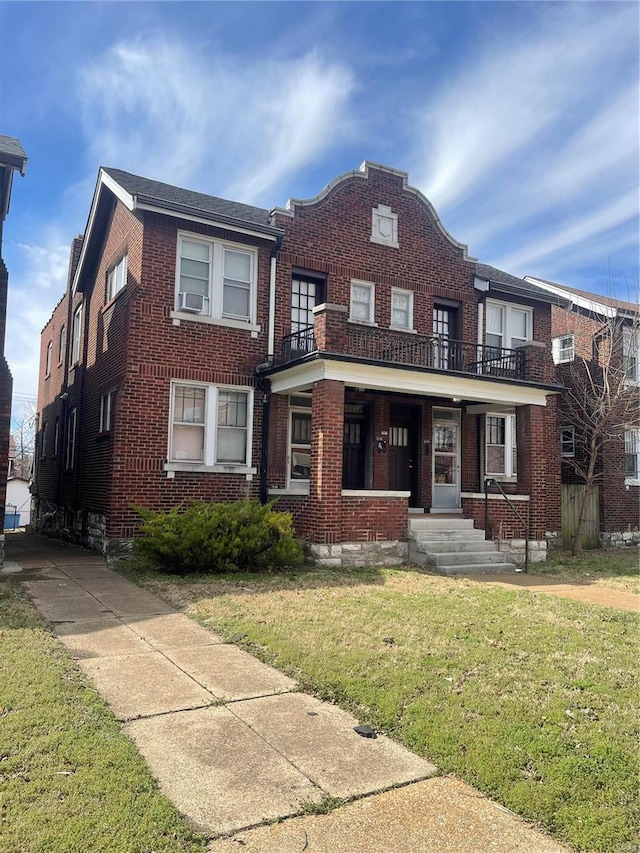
372, 302
77, 335
117, 278
70, 450
403, 292
296, 483
631, 354
106, 409
62, 343
47, 360
510, 447
211, 427
213, 308
567, 441
632, 448
506, 335
563, 348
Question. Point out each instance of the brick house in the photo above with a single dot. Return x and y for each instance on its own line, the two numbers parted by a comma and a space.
12, 159
343, 354
599, 330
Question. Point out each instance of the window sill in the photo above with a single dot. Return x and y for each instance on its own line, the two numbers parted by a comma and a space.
292, 491
200, 468
362, 323
214, 321
629, 481
403, 329
113, 299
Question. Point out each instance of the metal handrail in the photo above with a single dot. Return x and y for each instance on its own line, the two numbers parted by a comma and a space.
491, 481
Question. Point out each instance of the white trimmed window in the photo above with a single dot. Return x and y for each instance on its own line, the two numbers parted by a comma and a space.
362, 305
116, 278
568, 441
299, 439
210, 425
70, 455
216, 279
77, 335
563, 349
106, 406
632, 455
401, 308
62, 343
631, 354
508, 326
500, 446
47, 361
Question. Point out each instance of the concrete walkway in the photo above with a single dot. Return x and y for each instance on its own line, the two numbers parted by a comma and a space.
233, 744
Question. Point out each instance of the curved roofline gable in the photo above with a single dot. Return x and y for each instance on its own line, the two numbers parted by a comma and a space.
363, 172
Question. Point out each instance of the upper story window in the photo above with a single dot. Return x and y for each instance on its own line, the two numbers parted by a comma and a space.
401, 308
568, 441
76, 335
508, 326
306, 293
632, 455
47, 360
216, 279
384, 226
500, 446
106, 407
631, 354
116, 278
362, 306
563, 349
210, 425
62, 343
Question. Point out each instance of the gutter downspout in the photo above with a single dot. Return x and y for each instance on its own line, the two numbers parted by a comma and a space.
264, 384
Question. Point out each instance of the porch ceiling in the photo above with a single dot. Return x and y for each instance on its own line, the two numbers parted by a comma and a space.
423, 383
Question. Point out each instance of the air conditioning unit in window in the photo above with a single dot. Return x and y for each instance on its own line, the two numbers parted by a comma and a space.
193, 302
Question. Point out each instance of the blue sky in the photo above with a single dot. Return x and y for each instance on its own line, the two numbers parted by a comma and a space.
519, 121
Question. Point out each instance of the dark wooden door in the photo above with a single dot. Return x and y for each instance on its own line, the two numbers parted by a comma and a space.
353, 456
404, 429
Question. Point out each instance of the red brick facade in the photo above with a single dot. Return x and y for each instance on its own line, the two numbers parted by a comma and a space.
136, 345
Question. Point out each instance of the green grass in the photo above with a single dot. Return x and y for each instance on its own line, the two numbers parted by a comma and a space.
70, 782
531, 698
617, 568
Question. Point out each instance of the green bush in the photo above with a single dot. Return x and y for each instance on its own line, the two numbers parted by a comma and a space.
219, 537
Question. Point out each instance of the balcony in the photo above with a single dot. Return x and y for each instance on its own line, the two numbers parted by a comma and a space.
397, 348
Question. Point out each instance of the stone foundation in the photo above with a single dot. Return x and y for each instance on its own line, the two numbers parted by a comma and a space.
513, 550
620, 540
350, 554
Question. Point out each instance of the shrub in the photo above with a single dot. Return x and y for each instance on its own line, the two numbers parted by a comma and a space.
219, 537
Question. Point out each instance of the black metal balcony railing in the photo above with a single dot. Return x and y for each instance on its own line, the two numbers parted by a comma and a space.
415, 350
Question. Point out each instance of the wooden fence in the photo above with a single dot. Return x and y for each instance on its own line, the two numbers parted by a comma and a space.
572, 496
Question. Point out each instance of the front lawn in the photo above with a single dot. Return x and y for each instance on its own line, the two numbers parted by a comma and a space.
531, 698
70, 782
617, 568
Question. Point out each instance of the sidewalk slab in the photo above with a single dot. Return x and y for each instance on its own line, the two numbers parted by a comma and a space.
91, 571
125, 599
69, 606
318, 738
229, 673
140, 685
219, 773
440, 815
100, 638
171, 631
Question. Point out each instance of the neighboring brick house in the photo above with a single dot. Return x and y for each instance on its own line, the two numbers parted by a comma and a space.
600, 330
344, 354
12, 159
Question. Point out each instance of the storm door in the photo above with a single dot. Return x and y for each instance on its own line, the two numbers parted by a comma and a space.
446, 459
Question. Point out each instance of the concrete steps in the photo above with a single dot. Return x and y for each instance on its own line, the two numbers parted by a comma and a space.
452, 546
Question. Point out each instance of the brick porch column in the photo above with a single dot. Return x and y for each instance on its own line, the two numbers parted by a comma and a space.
330, 327
533, 460
325, 487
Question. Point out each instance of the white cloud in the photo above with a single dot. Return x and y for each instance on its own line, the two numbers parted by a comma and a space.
225, 125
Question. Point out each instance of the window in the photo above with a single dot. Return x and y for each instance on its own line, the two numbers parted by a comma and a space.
299, 439
47, 361
508, 326
401, 308
43, 441
77, 334
106, 404
631, 354
568, 440
56, 437
70, 456
216, 279
632, 454
62, 343
306, 293
116, 278
211, 425
500, 446
562, 349
362, 302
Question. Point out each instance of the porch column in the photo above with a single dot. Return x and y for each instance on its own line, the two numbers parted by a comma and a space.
538, 461
330, 327
325, 487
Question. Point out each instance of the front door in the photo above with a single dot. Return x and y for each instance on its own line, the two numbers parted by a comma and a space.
446, 459
354, 446
404, 429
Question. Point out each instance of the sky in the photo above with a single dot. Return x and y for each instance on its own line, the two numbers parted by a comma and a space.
519, 121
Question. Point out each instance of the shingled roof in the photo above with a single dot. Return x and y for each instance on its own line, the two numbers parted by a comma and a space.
512, 284
12, 152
